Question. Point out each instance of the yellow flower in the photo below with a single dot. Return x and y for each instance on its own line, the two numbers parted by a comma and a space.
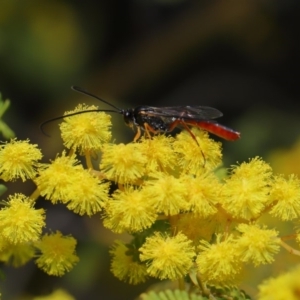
166, 193
123, 163
196, 227
16, 255
285, 193
246, 192
87, 131
218, 263
57, 254
193, 157
159, 153
203, 194
168, 257
19, 159
124, 267
257, 245
88, 194
284, 287
59, 294
65, 180
57, 181
19, 221
129, 210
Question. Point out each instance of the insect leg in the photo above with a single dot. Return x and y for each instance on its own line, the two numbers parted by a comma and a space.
174, 124
181, 122
149, 129
138, 134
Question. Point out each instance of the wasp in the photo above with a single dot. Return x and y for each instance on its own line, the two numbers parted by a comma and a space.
155, 120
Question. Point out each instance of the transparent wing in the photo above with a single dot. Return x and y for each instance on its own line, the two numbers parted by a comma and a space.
183, 112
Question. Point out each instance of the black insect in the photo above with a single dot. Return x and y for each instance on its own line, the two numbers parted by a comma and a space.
164, 119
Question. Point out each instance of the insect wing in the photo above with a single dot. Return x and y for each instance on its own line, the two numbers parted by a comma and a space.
183, 112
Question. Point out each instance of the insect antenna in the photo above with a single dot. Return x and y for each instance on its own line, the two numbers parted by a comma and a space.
80, 90
84, 92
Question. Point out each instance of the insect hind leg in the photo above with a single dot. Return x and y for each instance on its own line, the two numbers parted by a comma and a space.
186, 127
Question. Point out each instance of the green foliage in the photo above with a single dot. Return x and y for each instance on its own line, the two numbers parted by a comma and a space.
171, 295
4, 129
3, 189
216, 294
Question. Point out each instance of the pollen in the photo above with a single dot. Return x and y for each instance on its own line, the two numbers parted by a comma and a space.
87, 131
19, 159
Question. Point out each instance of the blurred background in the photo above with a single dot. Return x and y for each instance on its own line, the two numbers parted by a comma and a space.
238, 56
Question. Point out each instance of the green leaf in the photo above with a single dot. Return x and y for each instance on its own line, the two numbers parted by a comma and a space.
4, 128
171, 295
3, 189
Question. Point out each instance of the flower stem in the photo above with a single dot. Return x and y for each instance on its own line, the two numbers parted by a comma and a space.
34, 195
289, 248
181, 284
288, 237
88, 160
202, 286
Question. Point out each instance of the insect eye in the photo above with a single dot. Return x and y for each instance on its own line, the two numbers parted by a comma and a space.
127, 117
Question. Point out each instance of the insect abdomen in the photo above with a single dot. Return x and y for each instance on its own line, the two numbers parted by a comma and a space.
216, 129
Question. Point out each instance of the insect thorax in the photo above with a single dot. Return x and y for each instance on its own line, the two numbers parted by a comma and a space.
143, 114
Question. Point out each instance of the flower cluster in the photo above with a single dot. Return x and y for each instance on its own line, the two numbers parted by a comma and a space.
285, 286
184, 217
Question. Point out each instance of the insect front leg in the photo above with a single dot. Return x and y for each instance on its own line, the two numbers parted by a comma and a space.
147, 129
138, 134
